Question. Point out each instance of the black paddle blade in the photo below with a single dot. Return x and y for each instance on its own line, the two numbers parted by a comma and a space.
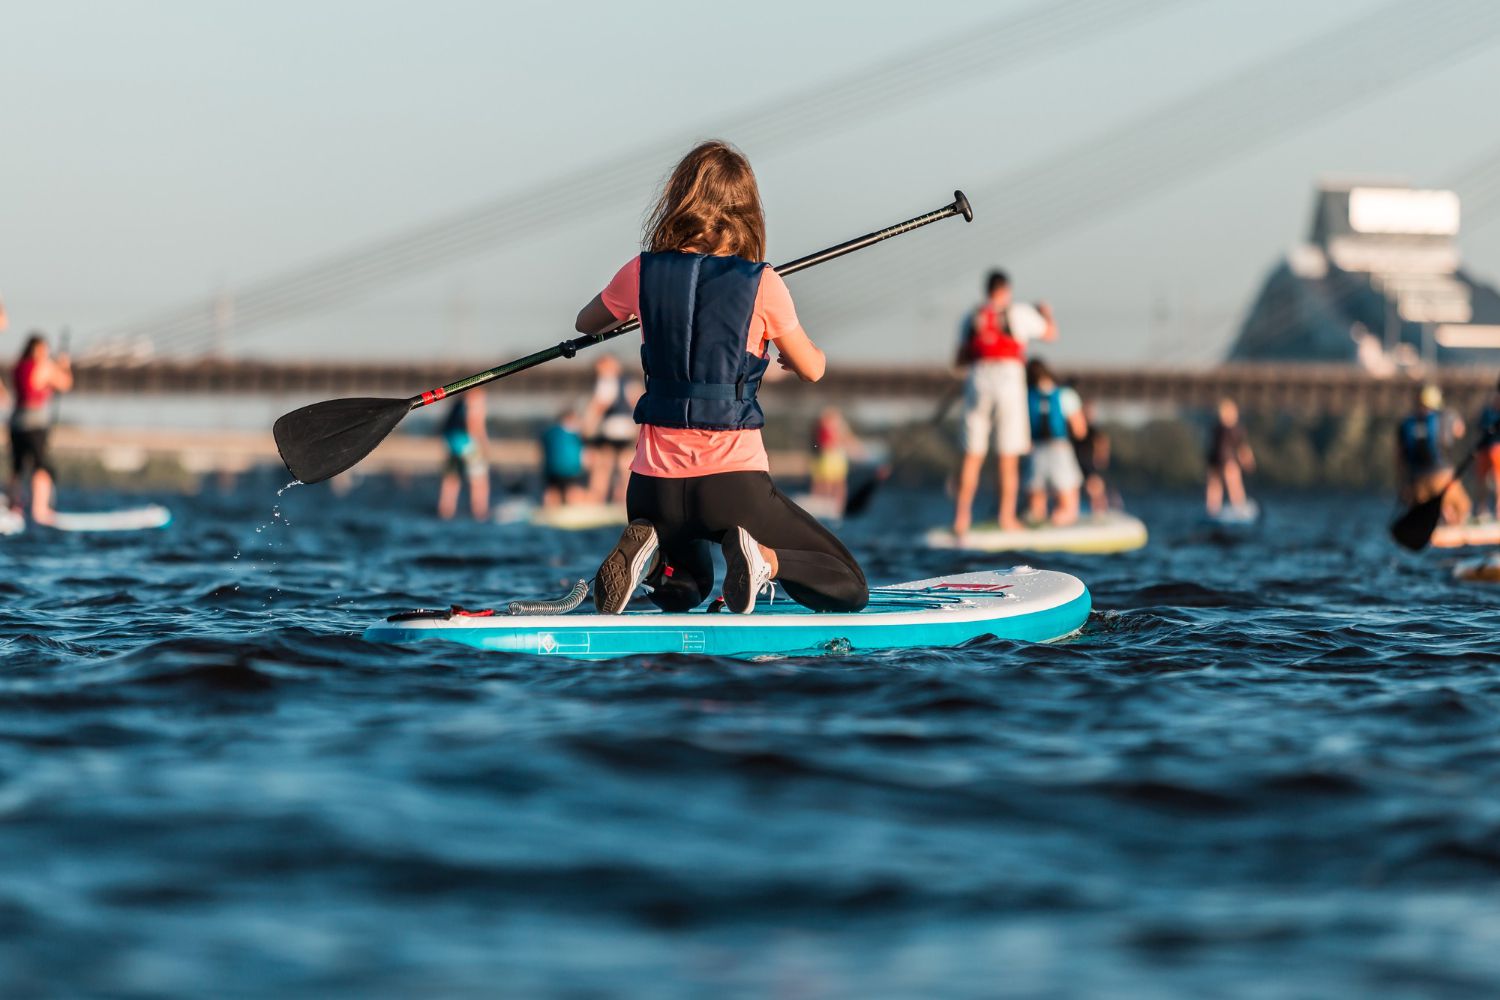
1414, 528
860, 499
319, 441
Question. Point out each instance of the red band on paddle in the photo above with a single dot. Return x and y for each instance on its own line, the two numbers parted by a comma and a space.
428, 398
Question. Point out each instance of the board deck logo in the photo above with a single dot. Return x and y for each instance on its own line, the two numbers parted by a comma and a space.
975, 588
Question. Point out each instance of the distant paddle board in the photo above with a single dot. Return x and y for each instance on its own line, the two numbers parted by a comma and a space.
1022, 604
1456, 536
564, 517
1103, 535
12, 522
824, 508
1235, 517
136, 519
1484, 570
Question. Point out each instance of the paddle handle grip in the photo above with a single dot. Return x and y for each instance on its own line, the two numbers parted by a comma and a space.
568, 348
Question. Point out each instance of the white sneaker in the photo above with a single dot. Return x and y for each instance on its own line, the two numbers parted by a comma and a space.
746, 572
624, 568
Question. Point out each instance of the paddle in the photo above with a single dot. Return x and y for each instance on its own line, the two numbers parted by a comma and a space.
1414, 528
62, 349
319, 441
860, 499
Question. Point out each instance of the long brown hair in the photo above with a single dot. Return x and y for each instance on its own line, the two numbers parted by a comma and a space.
710, 203
36, 340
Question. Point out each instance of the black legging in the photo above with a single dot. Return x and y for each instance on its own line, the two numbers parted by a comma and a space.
815, 568
28, 452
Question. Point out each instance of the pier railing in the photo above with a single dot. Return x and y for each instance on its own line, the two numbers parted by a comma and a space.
1297, 388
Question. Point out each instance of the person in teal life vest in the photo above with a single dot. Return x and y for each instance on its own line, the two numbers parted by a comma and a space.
563, 478
710, 308
465, 437
1422, 442
36, 377
992, 349
1487, 461
1056, 419
1229, 458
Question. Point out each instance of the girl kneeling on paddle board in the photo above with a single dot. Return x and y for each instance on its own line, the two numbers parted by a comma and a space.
709, 306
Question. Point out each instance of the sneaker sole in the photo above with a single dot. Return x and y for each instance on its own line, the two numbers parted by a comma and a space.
737, 561
618, 576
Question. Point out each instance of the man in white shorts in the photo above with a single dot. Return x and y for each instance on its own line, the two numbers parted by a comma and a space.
992, 345
1056, 420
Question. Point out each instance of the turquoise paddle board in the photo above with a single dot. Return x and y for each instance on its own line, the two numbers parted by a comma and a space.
1023, 604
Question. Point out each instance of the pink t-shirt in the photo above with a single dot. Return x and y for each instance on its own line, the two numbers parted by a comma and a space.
680, 452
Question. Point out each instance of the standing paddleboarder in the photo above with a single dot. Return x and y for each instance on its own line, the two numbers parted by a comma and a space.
465, 438
992, 347
1056, 415
609, 429
1228, 459
1422, 442
1487, 464
709, 308
36, 377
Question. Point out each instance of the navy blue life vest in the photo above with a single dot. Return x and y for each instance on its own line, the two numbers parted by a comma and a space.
1489, 426
1048, 421
620, 405
695, 315
1421, 440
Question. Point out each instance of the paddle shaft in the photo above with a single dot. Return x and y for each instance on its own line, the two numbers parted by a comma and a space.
568, 348
1462, 467
62, 348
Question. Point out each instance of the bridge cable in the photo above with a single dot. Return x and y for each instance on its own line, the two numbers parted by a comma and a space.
929, 69
1270, 99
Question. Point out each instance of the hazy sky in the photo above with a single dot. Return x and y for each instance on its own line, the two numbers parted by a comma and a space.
157, 150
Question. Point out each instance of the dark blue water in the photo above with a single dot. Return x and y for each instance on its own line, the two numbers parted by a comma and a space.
1267, 768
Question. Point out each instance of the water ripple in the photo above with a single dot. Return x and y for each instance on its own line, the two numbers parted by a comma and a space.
1263, 761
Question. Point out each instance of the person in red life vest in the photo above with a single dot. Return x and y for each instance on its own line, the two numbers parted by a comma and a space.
709, 308
992, 346
36, 377
833, 443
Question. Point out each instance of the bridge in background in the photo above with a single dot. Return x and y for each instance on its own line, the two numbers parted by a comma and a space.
1294, 388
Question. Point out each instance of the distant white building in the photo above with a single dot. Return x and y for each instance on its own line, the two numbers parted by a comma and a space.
1379, 285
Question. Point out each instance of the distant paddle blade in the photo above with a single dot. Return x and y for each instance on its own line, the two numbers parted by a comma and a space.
860, 499
1414, 529
319, 441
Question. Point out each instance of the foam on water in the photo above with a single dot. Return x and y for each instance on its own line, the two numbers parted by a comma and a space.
1267, 765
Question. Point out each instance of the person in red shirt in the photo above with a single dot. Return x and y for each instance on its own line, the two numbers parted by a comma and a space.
36, 377
709, 308
992, 347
